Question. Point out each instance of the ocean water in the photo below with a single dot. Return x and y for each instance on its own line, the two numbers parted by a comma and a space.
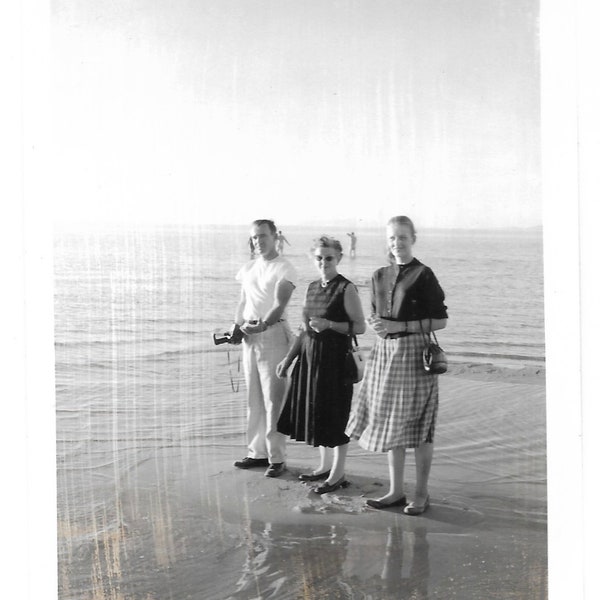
155, 294
135, 311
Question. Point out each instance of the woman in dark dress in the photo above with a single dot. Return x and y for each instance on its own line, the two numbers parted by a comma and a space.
397, 404
318, 399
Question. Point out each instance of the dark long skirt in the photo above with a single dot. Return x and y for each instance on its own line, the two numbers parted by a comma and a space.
318, 400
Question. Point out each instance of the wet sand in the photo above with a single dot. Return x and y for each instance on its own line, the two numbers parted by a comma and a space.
182, 523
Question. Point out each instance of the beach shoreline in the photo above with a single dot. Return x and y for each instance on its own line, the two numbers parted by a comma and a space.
176, 519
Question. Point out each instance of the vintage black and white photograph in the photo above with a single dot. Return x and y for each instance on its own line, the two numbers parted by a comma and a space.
298, 299
203, 147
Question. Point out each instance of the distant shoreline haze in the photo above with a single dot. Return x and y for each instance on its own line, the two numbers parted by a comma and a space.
68, 227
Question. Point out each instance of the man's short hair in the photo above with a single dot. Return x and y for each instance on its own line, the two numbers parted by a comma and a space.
268, 222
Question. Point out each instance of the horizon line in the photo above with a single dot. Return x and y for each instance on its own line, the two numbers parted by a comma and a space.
175, 224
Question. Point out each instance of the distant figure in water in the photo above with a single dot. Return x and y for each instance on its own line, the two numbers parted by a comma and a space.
352, 236
281, 240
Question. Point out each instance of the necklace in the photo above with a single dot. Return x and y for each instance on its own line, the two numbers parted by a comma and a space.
325, 283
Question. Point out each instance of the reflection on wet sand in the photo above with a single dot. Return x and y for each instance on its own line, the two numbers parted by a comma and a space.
171, 529
411, 547
311, 562
292, 561
165, 544
396, 568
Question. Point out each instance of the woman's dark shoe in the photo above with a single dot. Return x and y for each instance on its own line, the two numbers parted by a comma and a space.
313, 476
325, 488
379, 505
416, 509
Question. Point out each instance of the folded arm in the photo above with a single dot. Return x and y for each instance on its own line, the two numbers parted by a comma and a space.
283, 293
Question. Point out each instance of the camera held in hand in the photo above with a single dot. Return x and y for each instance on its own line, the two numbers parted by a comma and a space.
221, 338
229, 337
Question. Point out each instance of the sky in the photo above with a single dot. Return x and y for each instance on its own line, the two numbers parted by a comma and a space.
304, 111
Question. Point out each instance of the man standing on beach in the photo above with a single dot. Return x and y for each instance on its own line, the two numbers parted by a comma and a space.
267, 286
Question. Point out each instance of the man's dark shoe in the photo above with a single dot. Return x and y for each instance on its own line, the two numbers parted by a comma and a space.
249, 463
275, 469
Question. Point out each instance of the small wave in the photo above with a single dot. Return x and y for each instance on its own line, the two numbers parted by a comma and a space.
519, 344
174, 320
99, 343
82, 364
170, 353
85, 343
498, 356
189, 351
101, 365
208, 348
183, 331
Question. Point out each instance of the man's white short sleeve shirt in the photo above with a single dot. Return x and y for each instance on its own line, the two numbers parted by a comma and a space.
259, 279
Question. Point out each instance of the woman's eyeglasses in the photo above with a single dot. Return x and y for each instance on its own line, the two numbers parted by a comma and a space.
326, 258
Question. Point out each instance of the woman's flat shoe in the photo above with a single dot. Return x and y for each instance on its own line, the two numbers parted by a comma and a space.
313, 476
325, 488
378, 504
416, 509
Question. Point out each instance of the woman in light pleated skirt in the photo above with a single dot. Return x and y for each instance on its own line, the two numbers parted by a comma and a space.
396, 407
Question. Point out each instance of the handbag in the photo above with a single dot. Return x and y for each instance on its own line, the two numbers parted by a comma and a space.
354, 363
434, 357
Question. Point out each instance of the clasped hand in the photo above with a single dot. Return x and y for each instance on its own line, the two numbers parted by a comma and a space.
319, 324
249, 328
379, 325
282, 368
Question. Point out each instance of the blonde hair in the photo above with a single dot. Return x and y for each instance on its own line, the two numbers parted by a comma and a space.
402, 220
326, 241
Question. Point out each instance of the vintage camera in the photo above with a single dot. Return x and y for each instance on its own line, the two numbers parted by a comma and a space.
221, 338
229, 337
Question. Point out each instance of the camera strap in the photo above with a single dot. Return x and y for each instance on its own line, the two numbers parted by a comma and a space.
236, 387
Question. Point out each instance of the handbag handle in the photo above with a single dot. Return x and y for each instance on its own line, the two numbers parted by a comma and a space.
429, 333
351, 334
